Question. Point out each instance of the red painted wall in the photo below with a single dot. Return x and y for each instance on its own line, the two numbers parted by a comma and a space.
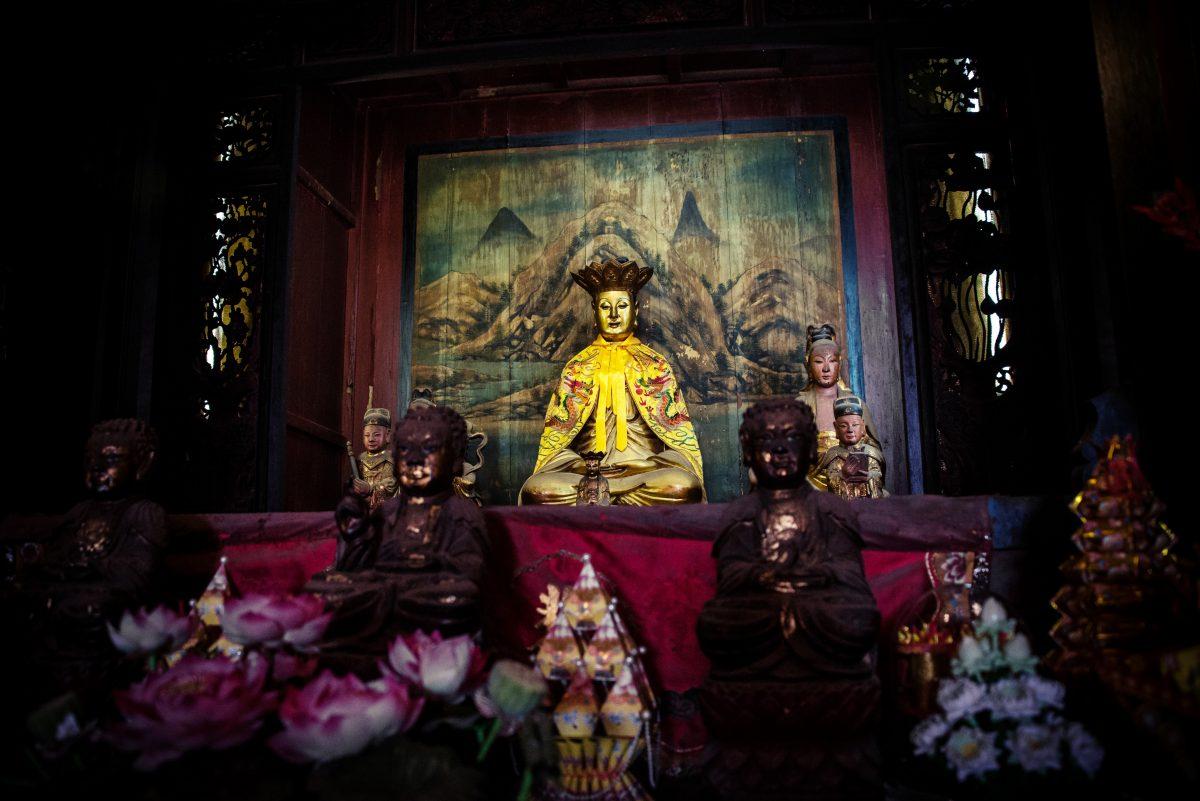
317, 308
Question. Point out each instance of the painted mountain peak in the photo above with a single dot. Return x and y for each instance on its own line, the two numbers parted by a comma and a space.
505, 226
691, 221
546, 319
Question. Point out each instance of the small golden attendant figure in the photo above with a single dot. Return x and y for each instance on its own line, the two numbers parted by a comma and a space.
619, 397
825, 385
854, 467
377, 480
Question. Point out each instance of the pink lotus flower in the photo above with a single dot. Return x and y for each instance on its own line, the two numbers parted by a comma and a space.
141, 632
287, 666
197, 703
332, 717
442, 668
275, 620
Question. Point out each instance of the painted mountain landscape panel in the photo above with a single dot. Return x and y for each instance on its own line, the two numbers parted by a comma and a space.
743, 232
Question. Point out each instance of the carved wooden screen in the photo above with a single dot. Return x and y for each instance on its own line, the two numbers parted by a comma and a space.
222, 312
964, 284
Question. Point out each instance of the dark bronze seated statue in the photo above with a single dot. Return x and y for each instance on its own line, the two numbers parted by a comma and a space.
102, 560
416, 561
792, 629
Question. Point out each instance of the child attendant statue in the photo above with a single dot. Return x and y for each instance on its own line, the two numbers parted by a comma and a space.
854, 467
376, 481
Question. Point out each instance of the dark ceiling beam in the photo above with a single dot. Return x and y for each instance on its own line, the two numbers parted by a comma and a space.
448, 84
674, 67
792, 62
842, 42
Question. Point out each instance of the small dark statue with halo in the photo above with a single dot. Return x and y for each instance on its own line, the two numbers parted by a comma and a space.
792, 698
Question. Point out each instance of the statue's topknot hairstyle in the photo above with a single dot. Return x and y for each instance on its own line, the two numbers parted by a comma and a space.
613, 274
137, 435
445, 417
753, 423
822, 336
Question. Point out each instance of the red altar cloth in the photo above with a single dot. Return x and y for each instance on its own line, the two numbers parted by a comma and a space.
657, 560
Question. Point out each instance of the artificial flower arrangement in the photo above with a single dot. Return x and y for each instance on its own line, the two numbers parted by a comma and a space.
999, 719
269, 693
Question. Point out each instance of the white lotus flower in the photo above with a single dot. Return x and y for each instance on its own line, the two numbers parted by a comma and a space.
1017, 648
970, 652
925, 734
1013, 699
1086, 752
145, 632
1019, 655
1047, 691
993, 612
993, 619
960, 697
1036, 747
971, 752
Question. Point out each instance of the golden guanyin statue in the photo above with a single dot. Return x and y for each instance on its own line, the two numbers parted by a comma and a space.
825, 385
618, 397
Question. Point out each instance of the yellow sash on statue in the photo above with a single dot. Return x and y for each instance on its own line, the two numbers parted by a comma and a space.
603, 376
610, 383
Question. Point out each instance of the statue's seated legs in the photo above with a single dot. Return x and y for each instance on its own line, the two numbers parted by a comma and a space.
793, 741
644, 482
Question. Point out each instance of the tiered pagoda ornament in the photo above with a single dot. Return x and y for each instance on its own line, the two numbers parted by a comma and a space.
1128, 611
208, 636
605, 710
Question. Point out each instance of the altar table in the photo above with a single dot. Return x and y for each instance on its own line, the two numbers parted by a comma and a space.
657, 561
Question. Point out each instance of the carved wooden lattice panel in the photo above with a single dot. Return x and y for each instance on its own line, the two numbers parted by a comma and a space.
245, 134
939, 85
228, 361
970, 305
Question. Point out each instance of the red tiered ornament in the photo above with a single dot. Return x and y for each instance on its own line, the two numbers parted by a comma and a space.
1127, 601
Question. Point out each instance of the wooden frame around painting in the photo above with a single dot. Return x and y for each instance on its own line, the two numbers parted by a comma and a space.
748, 224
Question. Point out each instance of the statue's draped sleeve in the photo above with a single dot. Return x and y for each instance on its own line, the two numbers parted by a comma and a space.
739, 560
844, 544
655, 392
464, 540
570, 404
138, 560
